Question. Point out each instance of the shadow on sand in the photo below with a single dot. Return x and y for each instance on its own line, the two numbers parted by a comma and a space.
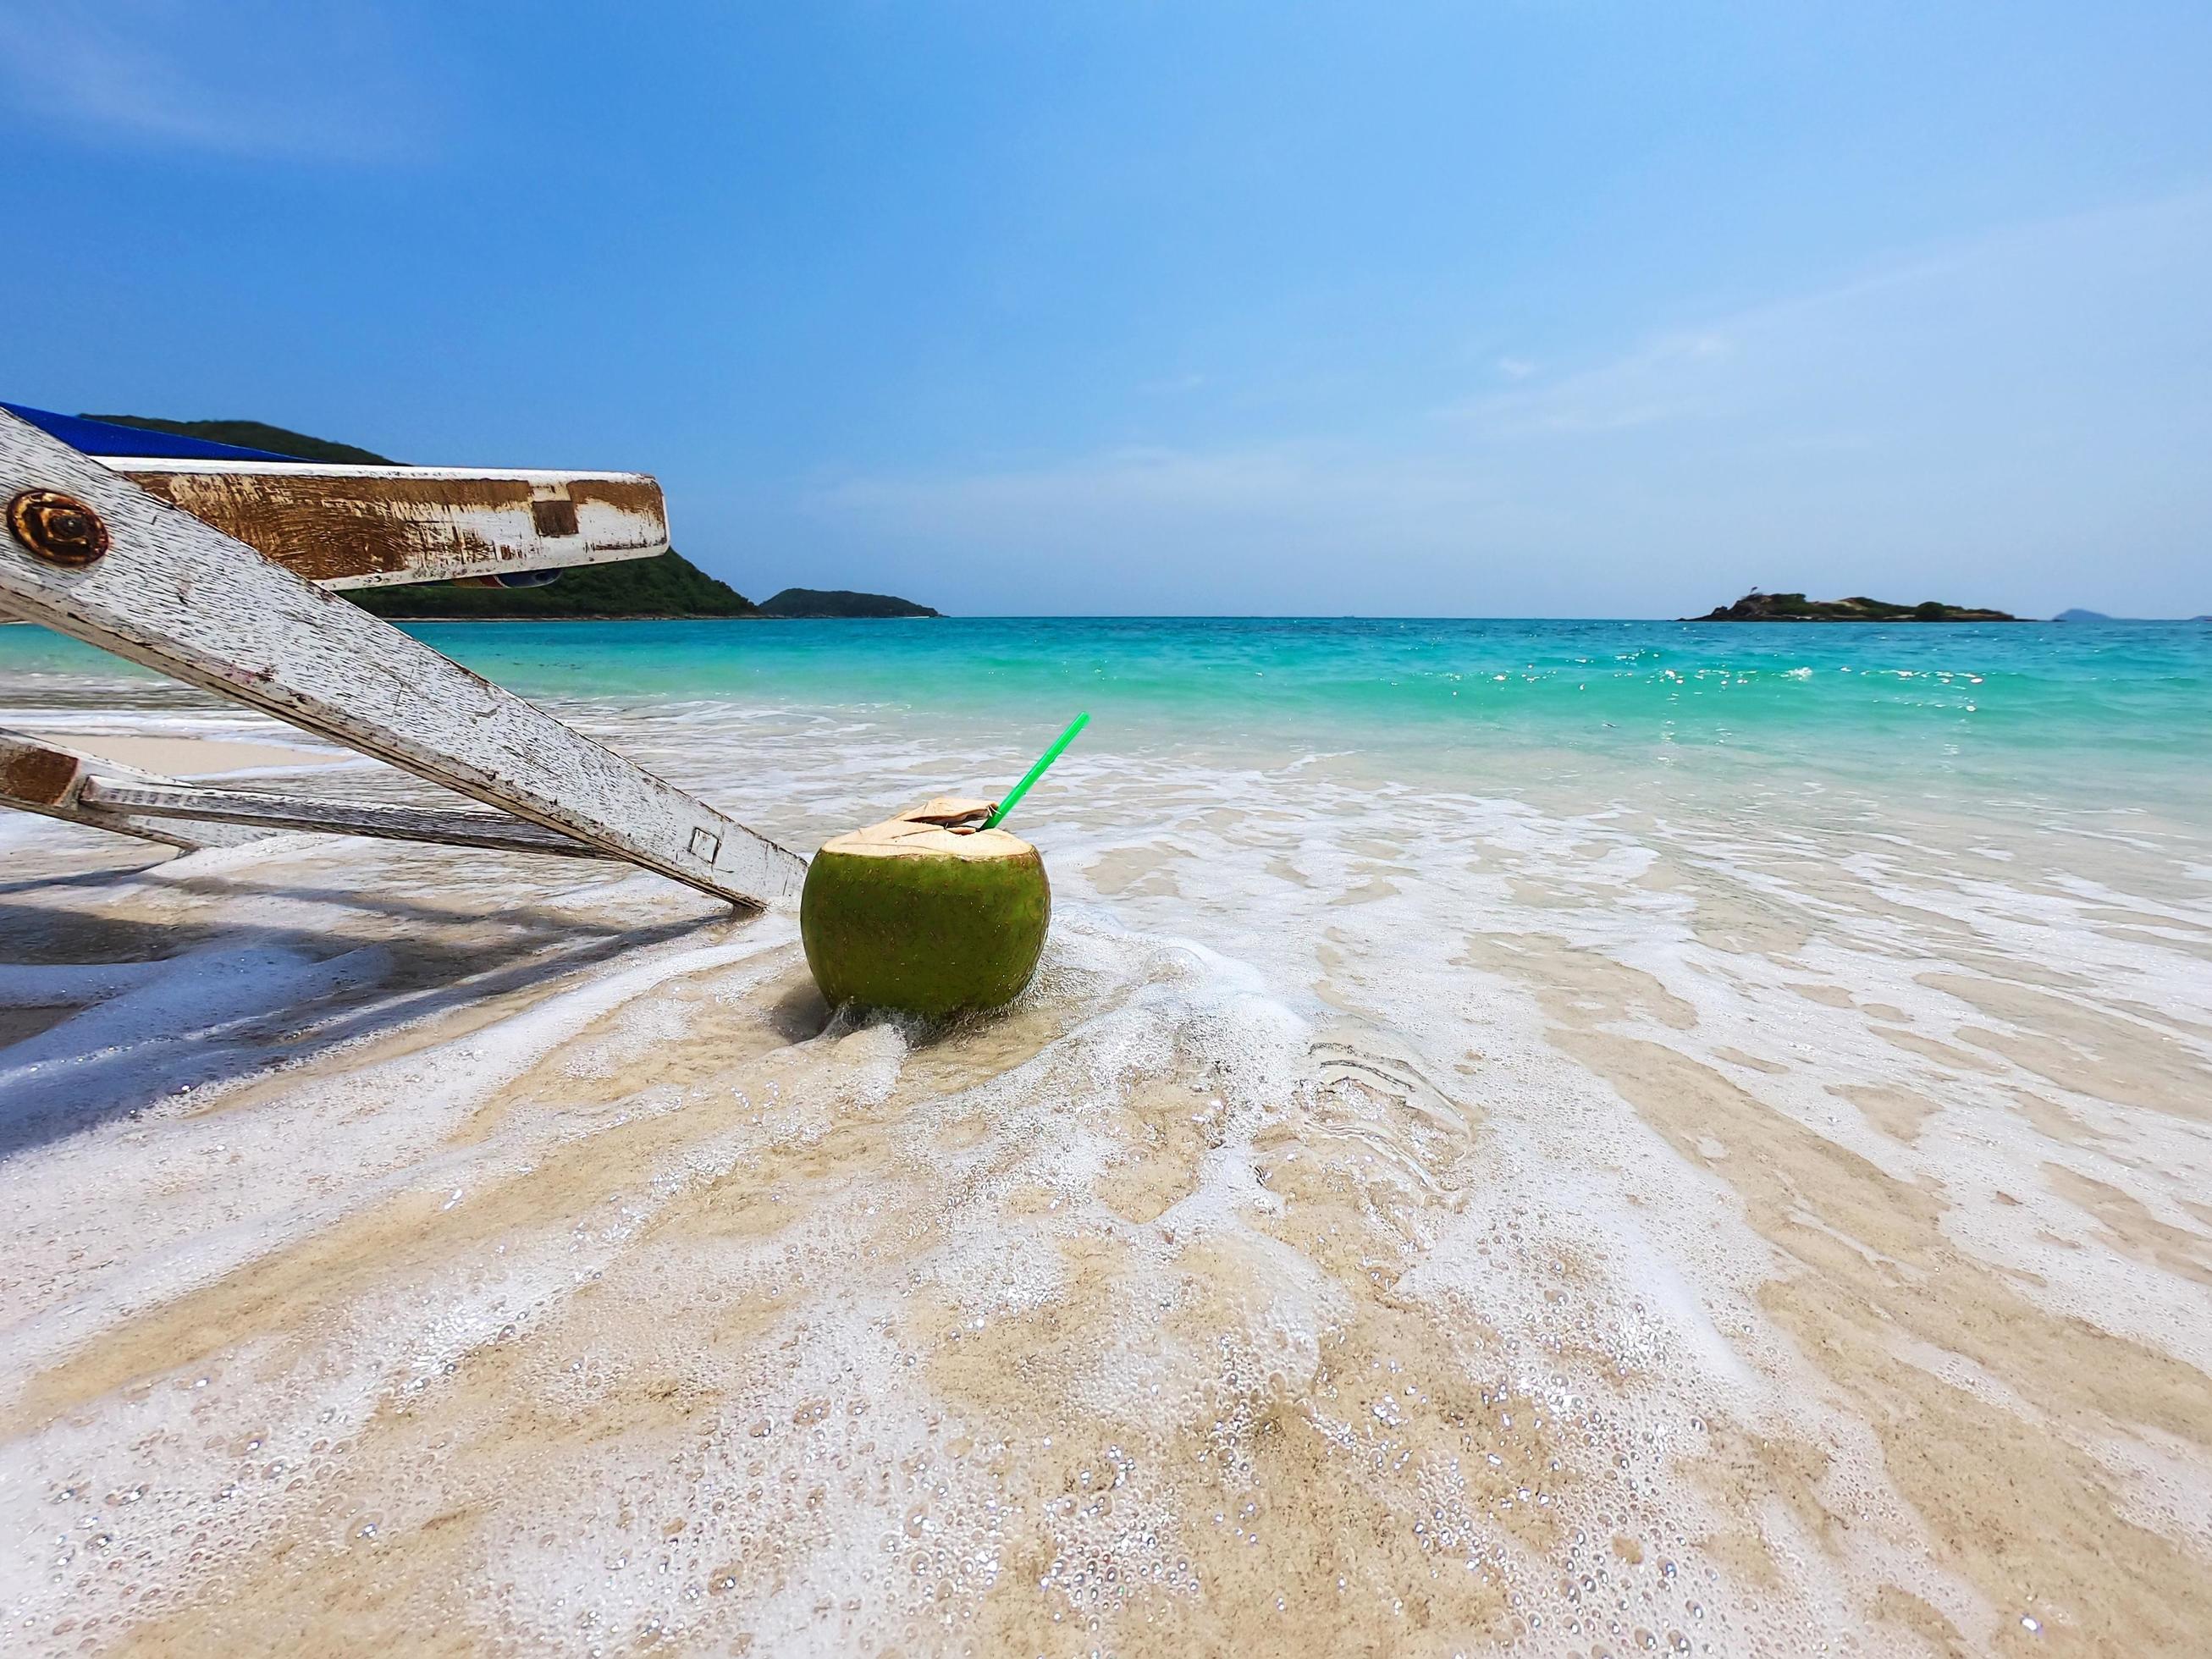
113, 1014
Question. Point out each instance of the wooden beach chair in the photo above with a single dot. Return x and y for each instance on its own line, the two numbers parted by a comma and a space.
217, 565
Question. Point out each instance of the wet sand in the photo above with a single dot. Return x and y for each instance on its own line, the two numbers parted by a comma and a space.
194, 757
1692, 1212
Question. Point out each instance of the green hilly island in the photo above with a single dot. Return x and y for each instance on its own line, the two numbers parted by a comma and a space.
256, 435
668, 586
839, 602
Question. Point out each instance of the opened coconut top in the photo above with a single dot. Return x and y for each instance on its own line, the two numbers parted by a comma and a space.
949, 824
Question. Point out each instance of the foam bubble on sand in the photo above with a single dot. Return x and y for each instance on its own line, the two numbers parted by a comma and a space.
256, 1175
1397, 1219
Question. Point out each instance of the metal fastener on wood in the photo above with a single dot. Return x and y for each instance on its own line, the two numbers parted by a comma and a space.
58, 528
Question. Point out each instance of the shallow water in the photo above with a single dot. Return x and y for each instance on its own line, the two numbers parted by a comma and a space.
1679, 1148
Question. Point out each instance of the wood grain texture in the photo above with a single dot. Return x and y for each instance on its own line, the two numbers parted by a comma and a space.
38, 774
381, 526
179, 596
453, 826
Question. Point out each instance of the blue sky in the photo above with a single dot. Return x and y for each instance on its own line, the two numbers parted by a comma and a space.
1519, 308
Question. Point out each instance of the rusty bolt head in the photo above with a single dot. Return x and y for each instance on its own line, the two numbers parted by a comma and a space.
58, 528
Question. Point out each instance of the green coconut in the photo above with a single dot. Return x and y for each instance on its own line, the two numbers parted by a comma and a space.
927, 914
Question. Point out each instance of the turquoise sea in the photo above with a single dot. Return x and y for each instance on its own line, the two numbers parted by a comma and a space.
2125, 701
1544, 1138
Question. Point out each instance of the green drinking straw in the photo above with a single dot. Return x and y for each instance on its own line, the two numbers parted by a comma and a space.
1058, 744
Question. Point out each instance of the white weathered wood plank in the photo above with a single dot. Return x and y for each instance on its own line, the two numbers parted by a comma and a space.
381, 526
38, 774
454, 826
179, 596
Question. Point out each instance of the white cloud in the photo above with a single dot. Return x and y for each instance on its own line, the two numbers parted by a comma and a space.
1994, 421
320, 81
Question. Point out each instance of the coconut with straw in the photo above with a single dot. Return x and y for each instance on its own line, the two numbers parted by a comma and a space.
934, 912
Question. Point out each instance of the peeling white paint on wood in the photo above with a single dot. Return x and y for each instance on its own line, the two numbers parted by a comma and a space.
179, 596
382, 527
38, 774
456, 826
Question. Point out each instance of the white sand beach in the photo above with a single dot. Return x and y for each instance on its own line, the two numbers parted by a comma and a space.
1610, 610
1749, 1218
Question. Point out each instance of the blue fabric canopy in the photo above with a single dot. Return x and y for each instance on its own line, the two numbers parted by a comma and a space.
105, 438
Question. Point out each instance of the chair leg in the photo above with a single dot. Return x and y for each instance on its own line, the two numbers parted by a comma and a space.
119, 568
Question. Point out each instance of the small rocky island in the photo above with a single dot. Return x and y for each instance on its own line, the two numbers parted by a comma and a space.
1755, 606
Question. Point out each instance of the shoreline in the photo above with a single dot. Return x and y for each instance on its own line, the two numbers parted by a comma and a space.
1263, 617
1781, 1177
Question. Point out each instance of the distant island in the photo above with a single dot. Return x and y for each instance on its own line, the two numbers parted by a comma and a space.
810, 602
1795, 608
2078, 615
670, 586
